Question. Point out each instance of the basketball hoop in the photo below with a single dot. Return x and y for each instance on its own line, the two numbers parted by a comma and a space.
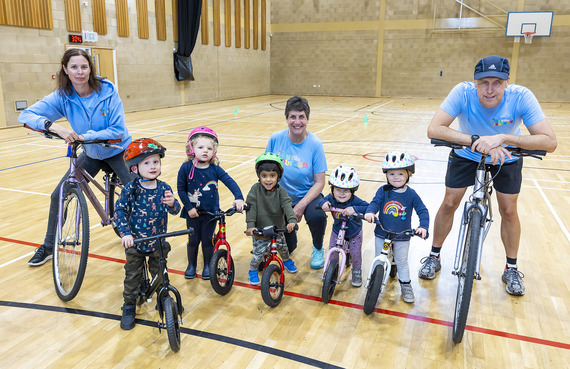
528, 37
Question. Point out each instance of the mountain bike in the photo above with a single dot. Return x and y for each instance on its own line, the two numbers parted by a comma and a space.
475, 224
168, 300
334, 267
222, 268
382, 267
273, 279
71, 243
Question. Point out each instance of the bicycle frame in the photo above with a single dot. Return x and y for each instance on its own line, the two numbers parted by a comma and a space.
220, 240
79, 176
273, 257
480, 199
385, 260
341, 247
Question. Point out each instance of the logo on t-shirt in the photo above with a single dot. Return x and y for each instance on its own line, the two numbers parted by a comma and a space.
500, 122
395, 209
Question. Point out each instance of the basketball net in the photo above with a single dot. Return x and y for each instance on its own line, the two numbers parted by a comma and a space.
528, 37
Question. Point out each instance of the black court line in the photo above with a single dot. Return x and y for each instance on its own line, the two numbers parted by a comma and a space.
193, 332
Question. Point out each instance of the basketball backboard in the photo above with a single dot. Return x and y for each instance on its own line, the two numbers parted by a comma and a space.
520, 22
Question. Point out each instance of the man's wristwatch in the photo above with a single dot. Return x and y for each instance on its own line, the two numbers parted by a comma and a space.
47, 124
474, 138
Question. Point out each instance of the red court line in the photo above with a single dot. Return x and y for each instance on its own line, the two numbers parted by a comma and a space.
491, 332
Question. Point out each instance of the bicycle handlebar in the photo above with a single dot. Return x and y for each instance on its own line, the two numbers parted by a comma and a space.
516, 151
407, 232
53, 135
270, 231
189, 231
339, 211
218, 214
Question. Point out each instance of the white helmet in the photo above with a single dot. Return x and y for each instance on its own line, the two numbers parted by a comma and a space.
344, 177
398, 160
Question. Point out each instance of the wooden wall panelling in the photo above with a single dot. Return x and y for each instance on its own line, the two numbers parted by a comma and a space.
160, 13
217, 36
205, 23
263, 25
99, 17
228, 22
175, 20
237, 5
142, 19
255, 24
246, 23
73, 15
122, 18
26, 13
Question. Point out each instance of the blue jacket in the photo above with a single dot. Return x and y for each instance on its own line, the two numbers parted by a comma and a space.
106, 122
354, 224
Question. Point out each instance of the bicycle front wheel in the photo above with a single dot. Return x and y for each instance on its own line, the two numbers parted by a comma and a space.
466, 274
222, 278
171, 322
271, 286
374, 288
329, 283
71, 245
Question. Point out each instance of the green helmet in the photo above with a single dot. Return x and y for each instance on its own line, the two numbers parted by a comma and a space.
269, 157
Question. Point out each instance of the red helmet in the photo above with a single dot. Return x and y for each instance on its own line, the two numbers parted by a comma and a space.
201, 131
140, 149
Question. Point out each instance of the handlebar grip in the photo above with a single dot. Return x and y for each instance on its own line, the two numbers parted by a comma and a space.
437, 142
189, 231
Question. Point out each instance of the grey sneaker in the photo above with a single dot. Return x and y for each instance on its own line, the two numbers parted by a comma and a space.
407, 292
356, 278
513, 279
430, 266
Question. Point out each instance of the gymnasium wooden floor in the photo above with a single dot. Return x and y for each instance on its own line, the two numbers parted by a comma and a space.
238, 330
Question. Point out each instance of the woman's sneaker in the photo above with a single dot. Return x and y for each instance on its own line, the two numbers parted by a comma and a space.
289, 265
253, 277
317, 258
407, 292
356, 278
41, 255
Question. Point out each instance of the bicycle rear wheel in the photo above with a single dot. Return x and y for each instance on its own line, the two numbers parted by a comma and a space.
374, 288
466, 274
171, 322
222, 278
329, 283
112, 188
71, 245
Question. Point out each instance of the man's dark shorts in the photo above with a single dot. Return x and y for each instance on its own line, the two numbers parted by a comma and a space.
461, 173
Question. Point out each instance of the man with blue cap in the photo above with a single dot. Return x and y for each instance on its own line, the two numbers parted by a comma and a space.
489, 112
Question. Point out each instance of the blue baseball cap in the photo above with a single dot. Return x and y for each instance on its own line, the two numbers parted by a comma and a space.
492, 66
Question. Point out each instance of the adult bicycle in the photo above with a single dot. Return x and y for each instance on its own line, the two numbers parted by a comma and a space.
71, 243
475, 224
168, 300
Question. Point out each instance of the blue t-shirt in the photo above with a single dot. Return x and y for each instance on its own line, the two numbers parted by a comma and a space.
519, 105
301, 162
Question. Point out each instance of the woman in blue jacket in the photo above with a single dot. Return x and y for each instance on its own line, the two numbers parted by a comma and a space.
94, 110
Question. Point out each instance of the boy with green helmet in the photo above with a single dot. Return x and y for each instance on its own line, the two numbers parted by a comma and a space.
269, 204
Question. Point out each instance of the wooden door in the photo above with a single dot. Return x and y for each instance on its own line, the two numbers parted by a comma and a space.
104, 63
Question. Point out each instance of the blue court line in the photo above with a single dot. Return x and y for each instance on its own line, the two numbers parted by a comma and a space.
202, 334
35, 162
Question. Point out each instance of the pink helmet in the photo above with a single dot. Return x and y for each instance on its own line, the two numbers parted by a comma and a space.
201, 131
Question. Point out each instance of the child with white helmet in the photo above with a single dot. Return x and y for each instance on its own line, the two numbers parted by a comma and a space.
394, 203
344, 182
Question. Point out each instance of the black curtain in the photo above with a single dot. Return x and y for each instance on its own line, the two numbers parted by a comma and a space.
189, 12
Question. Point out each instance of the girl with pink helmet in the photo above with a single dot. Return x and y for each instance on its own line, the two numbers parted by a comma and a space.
198, 190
